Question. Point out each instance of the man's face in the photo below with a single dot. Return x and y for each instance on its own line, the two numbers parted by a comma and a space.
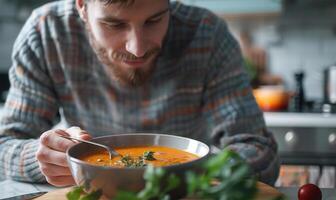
126, 39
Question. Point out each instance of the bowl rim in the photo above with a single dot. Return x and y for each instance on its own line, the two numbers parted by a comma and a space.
81, 162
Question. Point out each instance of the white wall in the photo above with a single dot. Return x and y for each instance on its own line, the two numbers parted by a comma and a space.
8, 33
10, 25
298, 39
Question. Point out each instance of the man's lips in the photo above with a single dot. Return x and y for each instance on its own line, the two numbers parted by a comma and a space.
137, 63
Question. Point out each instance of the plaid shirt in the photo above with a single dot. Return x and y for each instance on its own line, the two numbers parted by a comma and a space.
199, 89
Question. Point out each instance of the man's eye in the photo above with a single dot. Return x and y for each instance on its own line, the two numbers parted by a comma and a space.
115, 25
153, 21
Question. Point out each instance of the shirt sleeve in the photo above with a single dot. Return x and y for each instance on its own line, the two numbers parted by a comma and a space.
233, 117
29, 109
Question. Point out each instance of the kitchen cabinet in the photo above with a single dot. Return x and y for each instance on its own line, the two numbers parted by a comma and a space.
238, 6
306, 147
304, 138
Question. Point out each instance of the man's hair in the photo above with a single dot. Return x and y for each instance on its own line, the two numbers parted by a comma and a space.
121, 2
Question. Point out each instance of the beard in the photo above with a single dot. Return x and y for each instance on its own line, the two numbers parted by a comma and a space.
125, 76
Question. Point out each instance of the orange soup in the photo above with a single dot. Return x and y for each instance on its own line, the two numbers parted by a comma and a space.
141, 156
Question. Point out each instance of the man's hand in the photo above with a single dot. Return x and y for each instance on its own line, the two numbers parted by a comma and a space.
52, 158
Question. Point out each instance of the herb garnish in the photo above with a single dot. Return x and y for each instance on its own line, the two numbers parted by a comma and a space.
149, 155
128, 161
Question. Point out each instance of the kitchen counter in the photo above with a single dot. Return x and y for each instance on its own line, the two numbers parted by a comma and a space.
289, 119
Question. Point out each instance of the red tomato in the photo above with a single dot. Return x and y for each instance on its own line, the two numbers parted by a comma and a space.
309, 192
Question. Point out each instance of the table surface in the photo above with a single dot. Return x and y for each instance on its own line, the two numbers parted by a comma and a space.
13, 190
265, 192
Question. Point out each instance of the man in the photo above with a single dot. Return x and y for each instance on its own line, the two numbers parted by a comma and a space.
119, 66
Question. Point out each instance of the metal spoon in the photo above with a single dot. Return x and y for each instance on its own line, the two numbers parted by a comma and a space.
110, 150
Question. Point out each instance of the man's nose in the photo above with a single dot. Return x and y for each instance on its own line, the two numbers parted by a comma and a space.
136, 44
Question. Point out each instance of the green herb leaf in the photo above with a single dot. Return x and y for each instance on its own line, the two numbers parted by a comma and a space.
149, 155
75, 193
153, 177
95, 195
172, 182
234, 179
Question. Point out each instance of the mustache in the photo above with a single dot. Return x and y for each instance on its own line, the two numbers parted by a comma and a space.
130, 57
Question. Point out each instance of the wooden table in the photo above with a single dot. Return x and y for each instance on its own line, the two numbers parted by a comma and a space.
266, 192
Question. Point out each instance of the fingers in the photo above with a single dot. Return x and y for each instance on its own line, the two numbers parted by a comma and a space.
51, 155
52, 159
54, 170
60, 181
47, 155
77, 132
52, 140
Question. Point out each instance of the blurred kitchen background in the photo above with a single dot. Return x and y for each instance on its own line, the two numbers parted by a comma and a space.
289, 49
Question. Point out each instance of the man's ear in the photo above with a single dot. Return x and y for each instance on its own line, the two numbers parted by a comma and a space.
81, 8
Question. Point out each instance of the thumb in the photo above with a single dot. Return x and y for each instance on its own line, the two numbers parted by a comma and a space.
79, 133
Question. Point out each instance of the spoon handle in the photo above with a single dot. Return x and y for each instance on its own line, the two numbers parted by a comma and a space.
80, 140
109, 149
